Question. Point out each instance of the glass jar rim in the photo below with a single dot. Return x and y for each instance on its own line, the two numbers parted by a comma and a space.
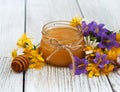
56, 24
63, 22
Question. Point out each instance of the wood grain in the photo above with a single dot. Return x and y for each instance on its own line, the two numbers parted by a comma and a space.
114, 80
11, 28
9, 81
11, 24
39, 12
55, 79
105, 12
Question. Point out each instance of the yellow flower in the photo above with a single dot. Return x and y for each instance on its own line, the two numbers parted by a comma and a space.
37, 65
34, 54
36, 59
28, 49
112, 55
117, 50
14, 53
98, 50
107, 69
40, 58
93, 70
87, 48
118, 36
24, 41
76, 21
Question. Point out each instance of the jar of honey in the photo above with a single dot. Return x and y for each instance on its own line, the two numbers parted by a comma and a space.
59, 38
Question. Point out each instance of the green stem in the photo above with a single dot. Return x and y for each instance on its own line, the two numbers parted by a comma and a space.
38, 45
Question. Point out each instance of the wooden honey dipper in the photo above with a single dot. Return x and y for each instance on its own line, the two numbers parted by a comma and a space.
20, 63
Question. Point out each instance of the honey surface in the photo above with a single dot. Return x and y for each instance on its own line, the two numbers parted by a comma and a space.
65, 35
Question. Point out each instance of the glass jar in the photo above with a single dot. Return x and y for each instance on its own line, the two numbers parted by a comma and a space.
56, 37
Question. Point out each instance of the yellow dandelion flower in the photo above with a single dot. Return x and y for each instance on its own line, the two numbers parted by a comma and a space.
14, 53
93, 70
24, 41
76, 21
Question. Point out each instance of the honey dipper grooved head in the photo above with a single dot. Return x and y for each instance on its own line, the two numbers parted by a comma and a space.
20, 63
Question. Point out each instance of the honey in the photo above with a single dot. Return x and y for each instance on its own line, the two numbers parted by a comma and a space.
64, 35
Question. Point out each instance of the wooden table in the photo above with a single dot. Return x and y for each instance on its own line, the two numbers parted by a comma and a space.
19, 16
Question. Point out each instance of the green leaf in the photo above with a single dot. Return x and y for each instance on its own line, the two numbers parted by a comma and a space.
92, 38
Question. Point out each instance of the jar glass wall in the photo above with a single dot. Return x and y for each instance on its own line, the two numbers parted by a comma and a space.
55, 37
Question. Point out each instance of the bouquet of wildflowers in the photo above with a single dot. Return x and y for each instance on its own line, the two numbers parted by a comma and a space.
102, 49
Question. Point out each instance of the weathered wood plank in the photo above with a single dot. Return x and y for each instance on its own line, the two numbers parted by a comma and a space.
53, 79
105, 12
11, 24
11, 27
9, 81
40, 12
114, 79
99, 84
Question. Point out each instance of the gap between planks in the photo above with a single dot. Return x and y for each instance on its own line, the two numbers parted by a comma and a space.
25, 7
9, 81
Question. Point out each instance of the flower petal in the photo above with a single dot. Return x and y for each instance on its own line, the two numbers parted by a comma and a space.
90, 75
